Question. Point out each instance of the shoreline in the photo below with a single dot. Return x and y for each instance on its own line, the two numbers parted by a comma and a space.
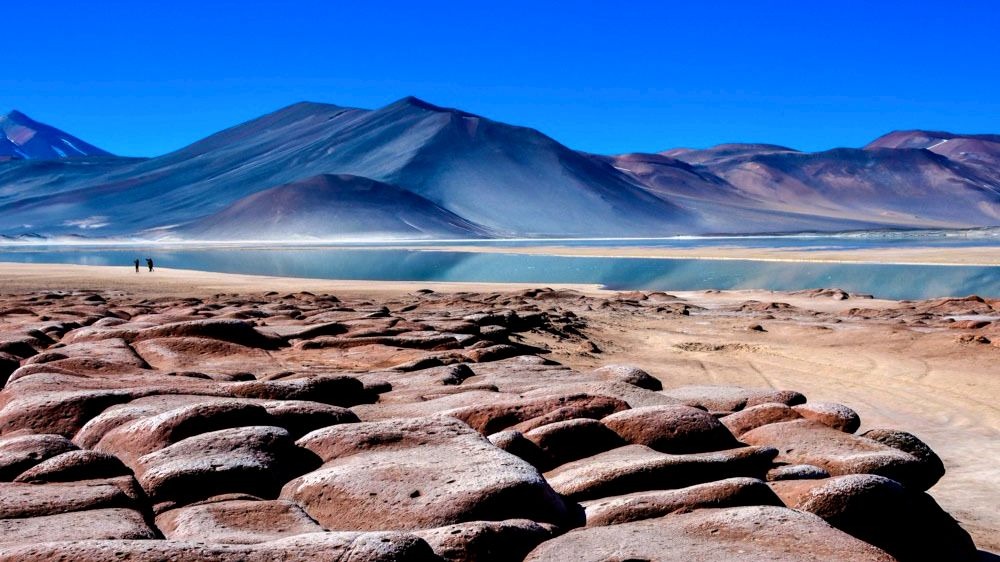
972, 256
20, 277
17, 276
966, 256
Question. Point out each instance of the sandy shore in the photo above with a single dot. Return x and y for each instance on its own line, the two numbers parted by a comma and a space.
895, 371
15, 277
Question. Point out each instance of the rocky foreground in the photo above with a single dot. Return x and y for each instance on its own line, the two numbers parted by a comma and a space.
426, 427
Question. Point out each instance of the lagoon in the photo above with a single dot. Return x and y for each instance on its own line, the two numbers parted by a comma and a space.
895, 281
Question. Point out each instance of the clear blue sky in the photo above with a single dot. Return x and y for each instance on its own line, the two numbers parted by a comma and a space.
144, 78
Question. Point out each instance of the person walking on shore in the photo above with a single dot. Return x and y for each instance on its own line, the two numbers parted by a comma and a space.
149, 264
137, 265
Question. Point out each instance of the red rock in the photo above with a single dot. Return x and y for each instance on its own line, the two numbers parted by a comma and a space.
419, 473
908, 525
495, 333
631, 395
574, 439
636, 468
966, 339
746, 534
431, 341
965, 306
755, 416
254, 460
112, 523
8, 364
345, 547
758, 306
75, 465
305, 332
730, 492
969, 324
491, 418
84, 365
95, 333
200, 353
909, 443
100, 425
337, 390
630, 375
134, 439
671, 429
234, 331
18, 347
796, 472
18, 454
492, 353
113, 351
515, 443
236, 522
834, 415
839, 453
732, 398
33, 500
300, 417
486, 541
62, 413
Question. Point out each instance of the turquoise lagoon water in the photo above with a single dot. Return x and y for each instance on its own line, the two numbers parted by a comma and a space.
414, 264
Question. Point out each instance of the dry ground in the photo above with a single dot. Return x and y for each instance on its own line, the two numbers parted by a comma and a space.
897, 367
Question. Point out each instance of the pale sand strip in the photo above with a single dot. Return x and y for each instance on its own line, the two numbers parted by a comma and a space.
15, 277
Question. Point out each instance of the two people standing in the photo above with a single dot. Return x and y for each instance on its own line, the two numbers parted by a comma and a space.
149, 264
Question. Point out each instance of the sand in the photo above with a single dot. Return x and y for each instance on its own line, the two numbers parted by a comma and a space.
16, 277
894, 370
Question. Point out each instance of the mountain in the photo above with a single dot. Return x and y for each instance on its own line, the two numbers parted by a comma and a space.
415, 170
981, 152
887, 187
722, 152
506, 179
329, 206
720, 206
26, 139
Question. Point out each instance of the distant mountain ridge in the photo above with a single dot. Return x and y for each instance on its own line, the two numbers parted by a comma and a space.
23, 138
412, 169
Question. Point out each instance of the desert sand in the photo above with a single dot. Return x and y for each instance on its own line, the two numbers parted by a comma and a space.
928, 368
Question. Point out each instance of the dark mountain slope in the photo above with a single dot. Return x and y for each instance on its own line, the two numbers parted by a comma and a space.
516, 180
330, 206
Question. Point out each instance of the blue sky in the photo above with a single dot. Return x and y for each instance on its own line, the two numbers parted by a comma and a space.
144, 78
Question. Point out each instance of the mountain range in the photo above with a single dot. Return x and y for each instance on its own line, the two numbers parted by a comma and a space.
413, 170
